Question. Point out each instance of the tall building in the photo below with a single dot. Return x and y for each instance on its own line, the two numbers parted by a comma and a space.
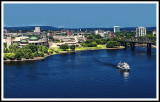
140, 31
8, 41
37, 29
116, 29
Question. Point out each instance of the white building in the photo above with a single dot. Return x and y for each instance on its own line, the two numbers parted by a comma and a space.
140, 31
116, 29
96, 31
37, 29
154, 32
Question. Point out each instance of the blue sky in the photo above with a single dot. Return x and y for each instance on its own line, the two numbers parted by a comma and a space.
80, 15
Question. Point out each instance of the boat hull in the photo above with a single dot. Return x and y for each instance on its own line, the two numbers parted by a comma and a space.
127, 70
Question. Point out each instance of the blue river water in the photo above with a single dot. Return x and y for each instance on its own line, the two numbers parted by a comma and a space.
85, 74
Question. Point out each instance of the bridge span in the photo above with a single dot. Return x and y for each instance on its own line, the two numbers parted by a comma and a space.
139, 40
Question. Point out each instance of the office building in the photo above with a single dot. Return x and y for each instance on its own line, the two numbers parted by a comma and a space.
116, 29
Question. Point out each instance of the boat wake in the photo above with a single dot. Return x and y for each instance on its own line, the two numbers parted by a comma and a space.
105, 64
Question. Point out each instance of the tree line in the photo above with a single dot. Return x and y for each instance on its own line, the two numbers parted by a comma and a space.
28, 51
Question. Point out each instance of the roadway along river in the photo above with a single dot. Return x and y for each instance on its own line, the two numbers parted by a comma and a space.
85, 74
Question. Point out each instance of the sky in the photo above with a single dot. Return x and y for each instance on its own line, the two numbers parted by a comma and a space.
80, 15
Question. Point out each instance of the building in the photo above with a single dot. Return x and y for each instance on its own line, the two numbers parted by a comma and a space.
116, 29
106, 34
100, 32
5, 31
37, 29
154, 32
140, 31
23, 40
111, 35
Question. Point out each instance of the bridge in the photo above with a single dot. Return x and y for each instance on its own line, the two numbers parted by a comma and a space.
139, 40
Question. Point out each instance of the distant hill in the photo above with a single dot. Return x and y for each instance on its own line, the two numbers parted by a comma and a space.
32, 28
83, 29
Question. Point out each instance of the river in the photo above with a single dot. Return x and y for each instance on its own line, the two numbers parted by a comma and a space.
84, 74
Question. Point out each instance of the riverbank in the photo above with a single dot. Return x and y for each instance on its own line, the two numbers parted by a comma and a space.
99, 47
144, 45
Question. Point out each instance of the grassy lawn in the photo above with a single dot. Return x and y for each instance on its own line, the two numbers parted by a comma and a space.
90, 48
58, 50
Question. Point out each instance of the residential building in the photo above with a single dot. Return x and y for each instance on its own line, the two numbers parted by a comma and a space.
111, 35
140, 31
37, 29
154, 32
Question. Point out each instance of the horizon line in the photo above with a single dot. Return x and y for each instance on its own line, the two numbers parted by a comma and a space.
75, 27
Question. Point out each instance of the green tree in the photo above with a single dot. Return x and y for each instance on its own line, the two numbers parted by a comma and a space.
5, 50
11, 56
64, 47
111, 44
72, 47
13, 48
18, 55
41, 54
34, 48
27, 53
5, 56
50, 50
98, 36
113, 39
118, 44
27, 56
32, 56
36, 54
94, 44
44, 49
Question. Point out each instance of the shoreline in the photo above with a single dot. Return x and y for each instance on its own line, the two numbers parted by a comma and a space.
35, 59
144, 45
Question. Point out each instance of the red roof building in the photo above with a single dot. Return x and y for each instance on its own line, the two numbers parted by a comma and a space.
111, 35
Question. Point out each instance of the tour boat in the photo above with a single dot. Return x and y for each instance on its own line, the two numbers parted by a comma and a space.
124, 66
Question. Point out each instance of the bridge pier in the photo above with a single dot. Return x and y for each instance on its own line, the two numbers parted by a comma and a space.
132, 46
125, 45
134, 40
149, 48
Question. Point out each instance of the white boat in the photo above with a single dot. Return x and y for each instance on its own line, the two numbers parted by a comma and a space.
124, 66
